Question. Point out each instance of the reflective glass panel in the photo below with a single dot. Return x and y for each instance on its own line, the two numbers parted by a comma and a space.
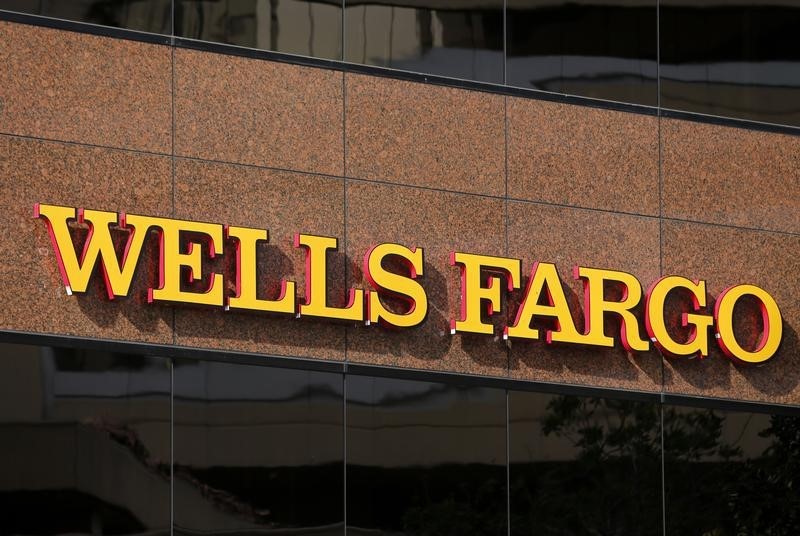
602, 49
425, 458
84, 442
584, 466
257, 450
456, 38
308, 28
145, 15
737, 59
731, 473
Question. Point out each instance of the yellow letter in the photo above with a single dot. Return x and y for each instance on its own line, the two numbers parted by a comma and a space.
595, 306
770, 314
544, 277
697, 345
246, 283
317, 286
76, 273
172, 260
473, 294
400, 286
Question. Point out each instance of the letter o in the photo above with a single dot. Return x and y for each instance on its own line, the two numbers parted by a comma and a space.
770, 314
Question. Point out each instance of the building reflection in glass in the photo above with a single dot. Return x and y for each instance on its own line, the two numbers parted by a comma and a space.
145, 15
456, 38
257, 449
737, 59
425, 458
729, 473
603, 48
84, 442
584, 466
308, 28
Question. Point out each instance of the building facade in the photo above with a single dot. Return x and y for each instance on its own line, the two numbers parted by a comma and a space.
242, 157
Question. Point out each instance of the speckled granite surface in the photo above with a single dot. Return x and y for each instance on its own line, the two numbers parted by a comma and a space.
257, 112
724, 256
566, 237
439, 222
732, 176
83, 88
368, 160
33, 295
283, 203
423, 135
581, 156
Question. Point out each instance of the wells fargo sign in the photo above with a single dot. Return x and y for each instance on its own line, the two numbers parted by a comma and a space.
482, 278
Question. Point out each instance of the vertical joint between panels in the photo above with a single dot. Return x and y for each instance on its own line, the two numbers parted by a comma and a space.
172, 126
172, 155
505, 42
505, 206
508, 463
505, 159
660, 252
346, 342
663, 475
343, 40
171, 447
345, 243
658, 55
344, 452
172, 18
660, 171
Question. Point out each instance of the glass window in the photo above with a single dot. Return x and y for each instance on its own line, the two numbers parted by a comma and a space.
604, 50
425, 458
301, 27
456, 38
145, 15
257, 449
730, 473
584, 466
84, 442
738, 59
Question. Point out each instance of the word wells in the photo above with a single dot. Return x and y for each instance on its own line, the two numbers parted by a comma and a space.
674, 314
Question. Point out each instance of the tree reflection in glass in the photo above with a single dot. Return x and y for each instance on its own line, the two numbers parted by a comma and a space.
731, 473
425, 458
584, 466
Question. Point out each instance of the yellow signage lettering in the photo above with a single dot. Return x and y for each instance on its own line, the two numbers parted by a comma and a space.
596, 306
656, 327
770, 315
99, 245
173, 260
396, 298
400, 286
544, 278
316, 304
473, 293
245, 296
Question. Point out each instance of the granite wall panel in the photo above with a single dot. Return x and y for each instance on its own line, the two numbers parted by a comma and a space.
33, 294
568, 237
263, 144
724, 256
582, 156
283, 203
424, 135
733, 176
258, 112
76, 87
438, 222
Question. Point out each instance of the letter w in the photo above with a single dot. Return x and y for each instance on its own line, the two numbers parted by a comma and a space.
77, 272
